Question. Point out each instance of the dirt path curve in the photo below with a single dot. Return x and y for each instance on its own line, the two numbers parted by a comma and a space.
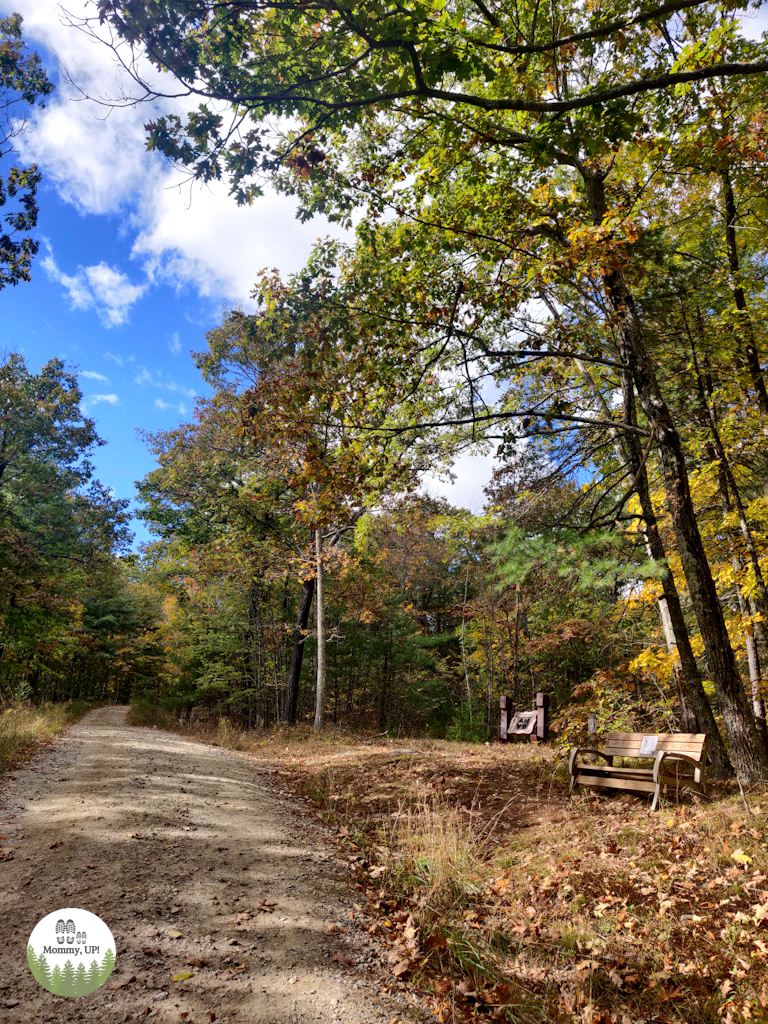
159, 835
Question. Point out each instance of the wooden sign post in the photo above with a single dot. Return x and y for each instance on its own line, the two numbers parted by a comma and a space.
533, 723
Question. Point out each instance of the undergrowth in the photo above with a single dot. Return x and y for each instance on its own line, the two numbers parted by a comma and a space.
24, 727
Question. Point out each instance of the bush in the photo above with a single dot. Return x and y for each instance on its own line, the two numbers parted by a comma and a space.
146, 713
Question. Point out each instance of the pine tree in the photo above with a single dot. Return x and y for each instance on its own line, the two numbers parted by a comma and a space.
94, 976
55, 985
33, 962
43, 973
81, 980
67, 987
107, 965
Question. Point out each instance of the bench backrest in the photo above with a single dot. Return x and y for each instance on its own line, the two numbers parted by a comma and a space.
630, 744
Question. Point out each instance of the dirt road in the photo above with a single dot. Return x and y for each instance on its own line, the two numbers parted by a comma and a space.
176, 845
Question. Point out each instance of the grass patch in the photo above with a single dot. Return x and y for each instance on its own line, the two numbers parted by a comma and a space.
25, 727
508, 901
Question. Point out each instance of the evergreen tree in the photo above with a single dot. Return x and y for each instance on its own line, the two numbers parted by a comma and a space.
67, 987
94, 976
81, 980
43, 974
32, 961
55, 985
107, 966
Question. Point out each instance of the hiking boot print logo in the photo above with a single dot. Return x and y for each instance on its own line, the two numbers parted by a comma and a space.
71, 952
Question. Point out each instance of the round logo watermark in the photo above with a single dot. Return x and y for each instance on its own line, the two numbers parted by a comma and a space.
71, 952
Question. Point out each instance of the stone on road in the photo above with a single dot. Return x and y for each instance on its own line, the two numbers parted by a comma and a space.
197, 867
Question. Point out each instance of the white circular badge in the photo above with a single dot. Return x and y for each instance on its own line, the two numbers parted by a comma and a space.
71, 952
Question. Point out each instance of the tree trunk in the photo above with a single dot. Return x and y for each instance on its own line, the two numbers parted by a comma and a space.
297, 652
748, 755
744, 332
695, 710
320, 607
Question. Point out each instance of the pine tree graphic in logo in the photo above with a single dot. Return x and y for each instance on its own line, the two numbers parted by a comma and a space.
71, 952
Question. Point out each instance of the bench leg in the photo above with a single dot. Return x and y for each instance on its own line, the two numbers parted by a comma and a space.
573, 783
656, 792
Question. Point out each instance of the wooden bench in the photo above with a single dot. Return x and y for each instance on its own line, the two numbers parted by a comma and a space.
668, 751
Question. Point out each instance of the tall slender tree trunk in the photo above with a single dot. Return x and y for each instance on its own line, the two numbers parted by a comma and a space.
463, 648
752, 608
744, 331
320, 608
695, 710
748, 755
290, 710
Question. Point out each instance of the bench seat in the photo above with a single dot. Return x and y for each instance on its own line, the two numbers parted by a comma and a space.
669, 752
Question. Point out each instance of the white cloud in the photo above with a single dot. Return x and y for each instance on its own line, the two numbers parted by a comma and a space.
472, 473
160, 404
119, 360
156, 380
175, 343
99, 287
113, 292
202, 236
97, 158
92, 375
97, 399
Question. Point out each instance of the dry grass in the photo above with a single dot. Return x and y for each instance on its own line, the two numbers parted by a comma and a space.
24, 727
501, 898
531, 907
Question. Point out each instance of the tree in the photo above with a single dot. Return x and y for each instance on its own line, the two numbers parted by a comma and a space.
107, 965
66, 986
23, 83
94, 976
56, 980
450, 107
60, 532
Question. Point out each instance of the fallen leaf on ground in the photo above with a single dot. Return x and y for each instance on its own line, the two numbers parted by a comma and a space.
54, 845
195, 961
182, 976
173, 934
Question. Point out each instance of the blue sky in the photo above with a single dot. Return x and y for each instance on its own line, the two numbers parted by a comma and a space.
135, 266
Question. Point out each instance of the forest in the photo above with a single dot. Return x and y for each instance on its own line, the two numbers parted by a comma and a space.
554, 252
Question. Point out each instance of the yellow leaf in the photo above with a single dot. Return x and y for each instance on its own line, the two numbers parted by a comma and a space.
740, 857
183, 976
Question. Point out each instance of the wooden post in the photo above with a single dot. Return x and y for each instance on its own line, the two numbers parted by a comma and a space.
507, 710
592, 729
542, 717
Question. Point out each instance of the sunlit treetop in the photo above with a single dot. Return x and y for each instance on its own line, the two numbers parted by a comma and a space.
329, 65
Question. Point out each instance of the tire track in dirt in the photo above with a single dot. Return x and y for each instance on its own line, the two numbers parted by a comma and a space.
159, 835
